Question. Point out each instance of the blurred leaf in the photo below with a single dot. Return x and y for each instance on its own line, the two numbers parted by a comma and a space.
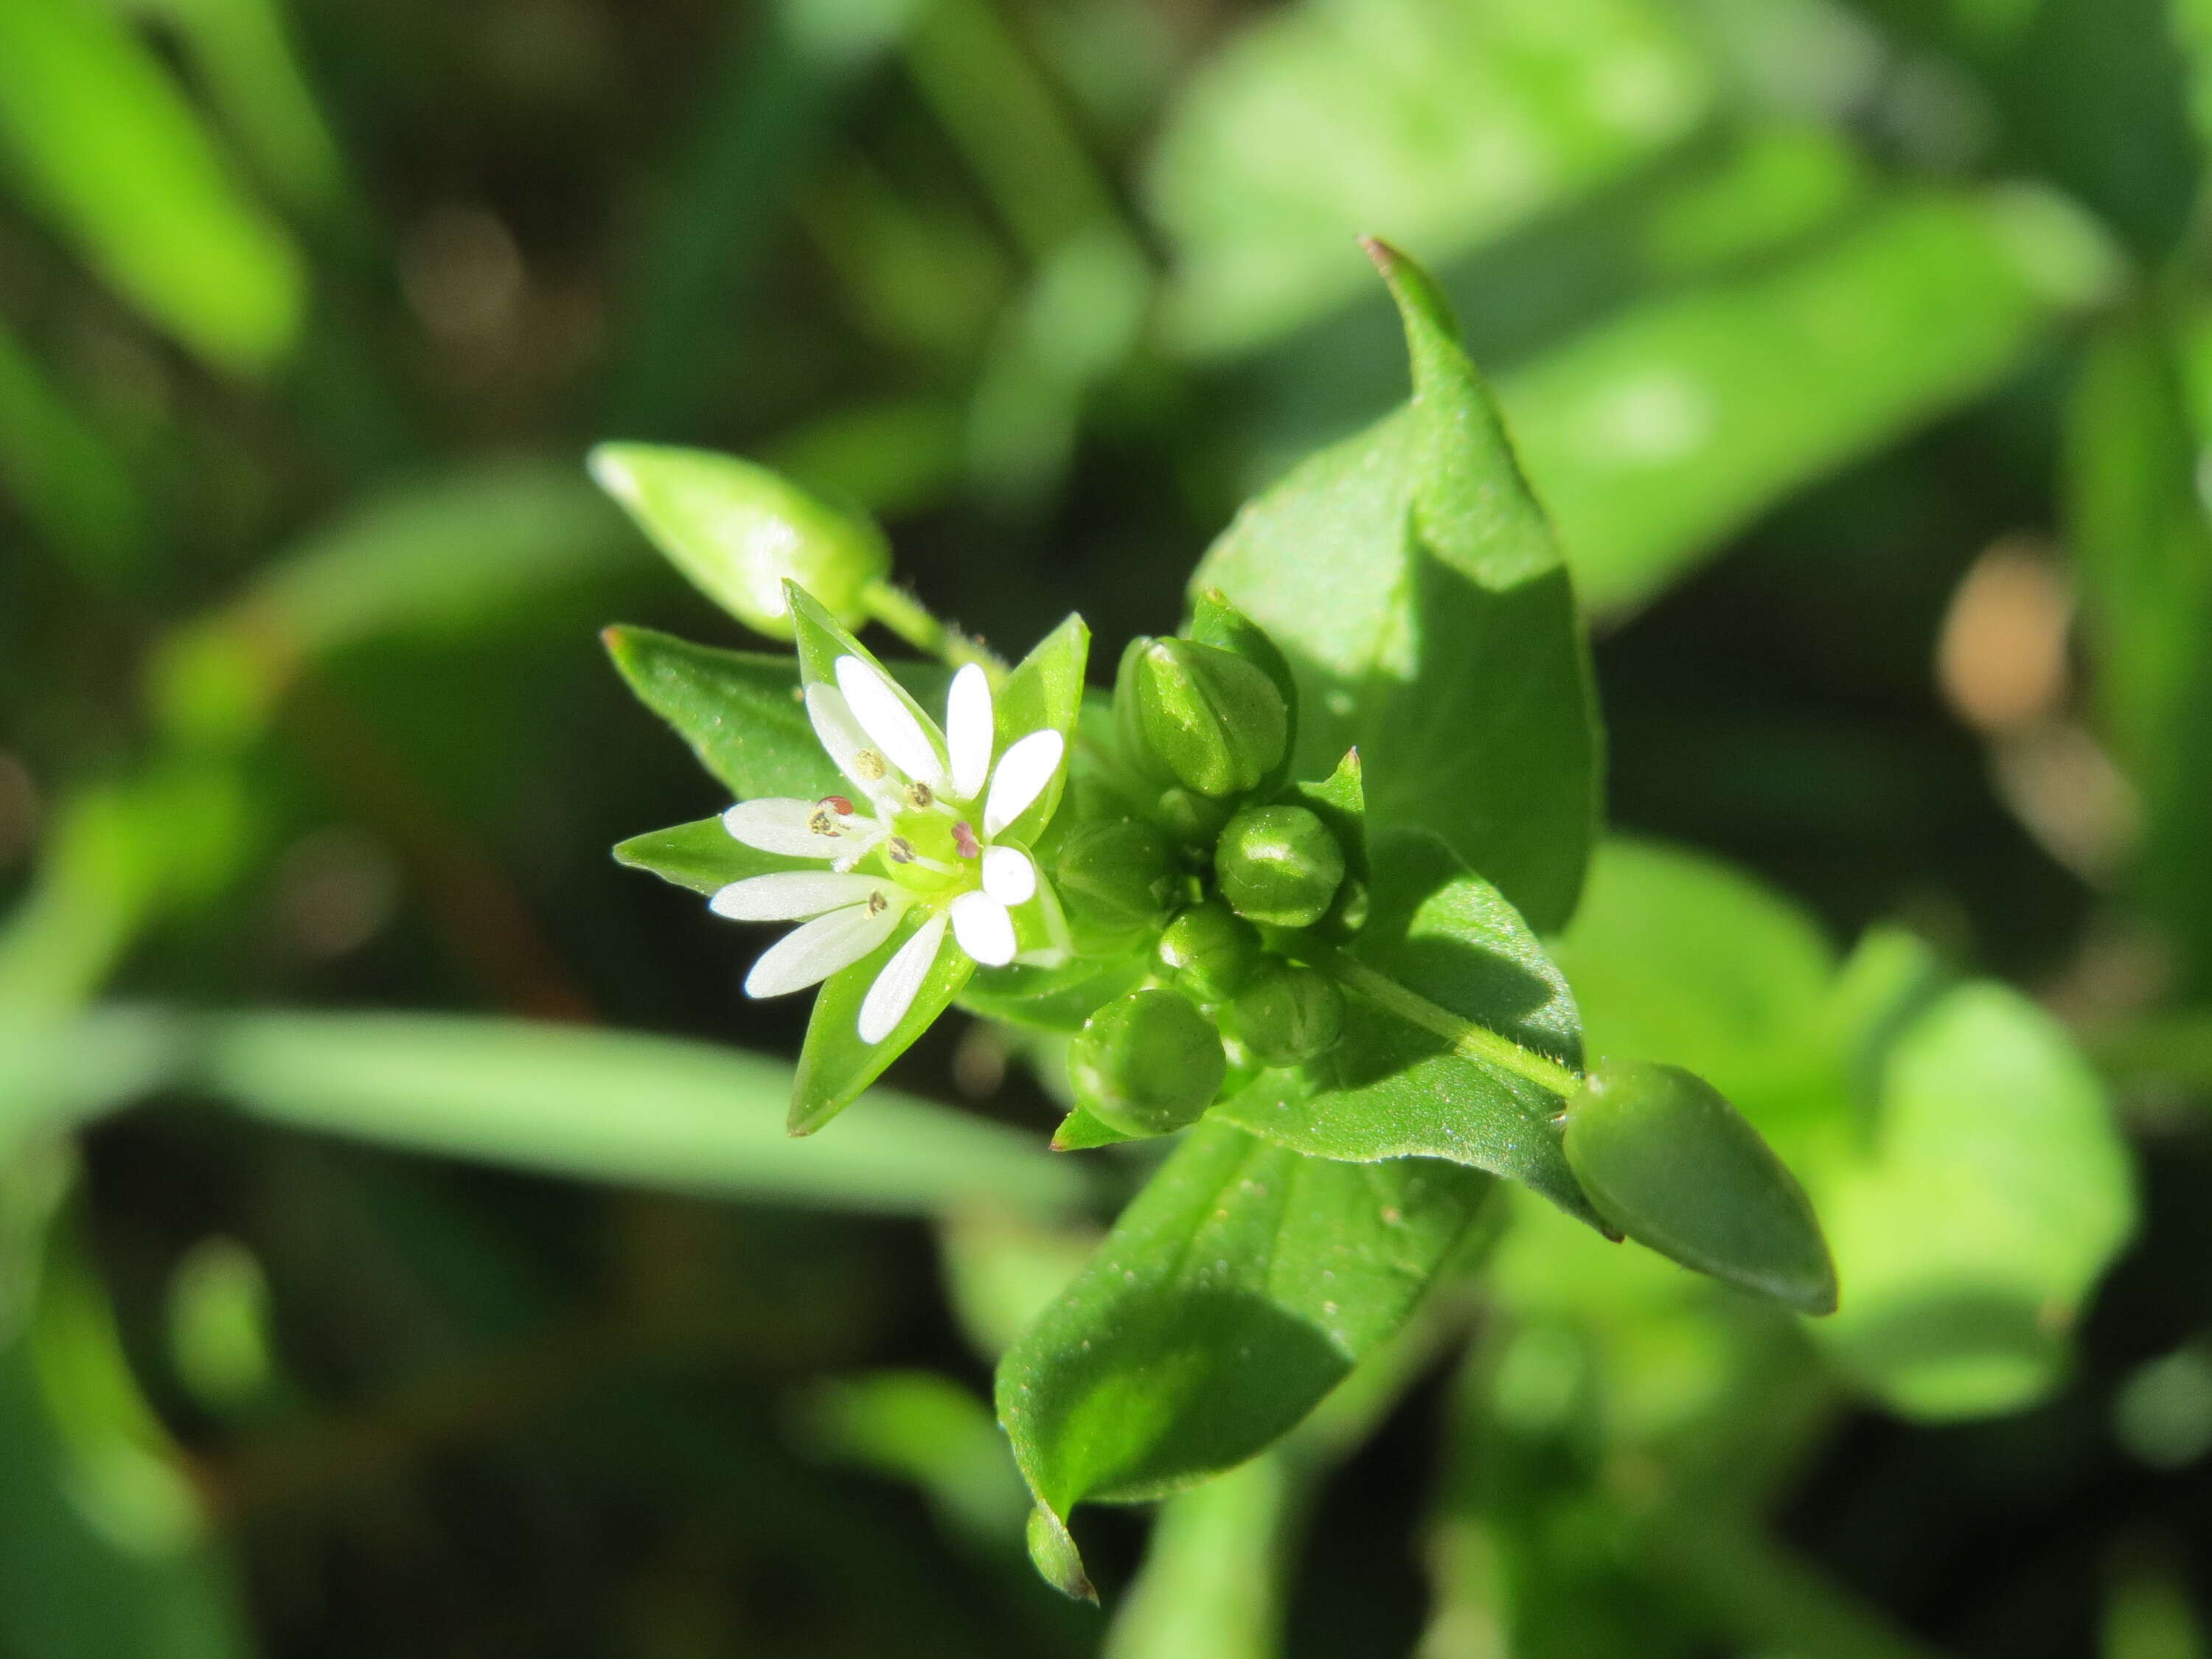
925, 1428
1656, 435
608, 1106
1003, 1269
71, 485
1212, 1580
1242, 1284
1392, 1088
1677, 957
1420, 595
1434, 124
57, 1072
105, 143
1996, 1191
2136, 526
739, 532
742, 711
98, 877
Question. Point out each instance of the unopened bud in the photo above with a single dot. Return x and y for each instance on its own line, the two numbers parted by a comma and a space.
1666, 1159
1213, 951
1290, 1015
1279, 865
1112, 875
738, 531
1203, 716
1147, 1063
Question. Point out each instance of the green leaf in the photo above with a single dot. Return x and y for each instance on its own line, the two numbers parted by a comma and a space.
1658, 433
2137, 529
1079, 1132
740, 531
609, 1106
1044, 692
834, 1065
1241, 1285
1394, 1088
74, 487
104, 142
1996, 1193
1413, 584
742, 711
1679, 958
1437, 124
703, 856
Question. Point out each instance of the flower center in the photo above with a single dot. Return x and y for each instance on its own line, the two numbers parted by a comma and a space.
923, 854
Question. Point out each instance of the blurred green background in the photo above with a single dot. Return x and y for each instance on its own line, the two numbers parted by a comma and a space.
399, 1256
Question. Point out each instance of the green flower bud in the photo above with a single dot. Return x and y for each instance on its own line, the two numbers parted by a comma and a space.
1114, 875
1205, 716
1666, 1159
1289, 1016
1279, 865
1147, 1063
1211, 950
738, 531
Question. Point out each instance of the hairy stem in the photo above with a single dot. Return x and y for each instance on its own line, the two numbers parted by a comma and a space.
1475, 1041
906, 617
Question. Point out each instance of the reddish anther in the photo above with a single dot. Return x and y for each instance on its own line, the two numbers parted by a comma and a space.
963, 837
837, 804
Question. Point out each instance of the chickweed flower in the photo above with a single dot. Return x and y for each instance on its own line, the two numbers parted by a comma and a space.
922, 829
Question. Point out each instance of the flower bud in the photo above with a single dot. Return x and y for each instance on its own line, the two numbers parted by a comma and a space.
1666, 1159
1207, 718
1279, 865
1290, 1015
1114, 875
738, 531
1147, 1063
1211, 950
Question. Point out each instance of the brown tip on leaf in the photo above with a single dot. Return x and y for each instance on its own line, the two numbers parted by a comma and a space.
1383, 256
611, 636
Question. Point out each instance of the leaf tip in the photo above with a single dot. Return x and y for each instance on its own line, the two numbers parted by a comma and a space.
1058, 1562
1384, 258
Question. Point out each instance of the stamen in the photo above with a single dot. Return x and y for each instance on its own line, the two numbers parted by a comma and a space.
919, 796
837, 804
869, 765
878, 903
963, 837
822, 824
901, 850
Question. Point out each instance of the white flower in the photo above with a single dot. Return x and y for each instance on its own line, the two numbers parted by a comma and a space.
926, 810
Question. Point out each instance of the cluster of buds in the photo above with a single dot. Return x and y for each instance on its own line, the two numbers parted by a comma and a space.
1187, 843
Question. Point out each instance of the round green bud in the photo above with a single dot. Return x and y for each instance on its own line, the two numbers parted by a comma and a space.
738, 531
1279, 865
1667, 1160
1147, 1063
1290, 1015
1201, 715
1211, 950
1114, 875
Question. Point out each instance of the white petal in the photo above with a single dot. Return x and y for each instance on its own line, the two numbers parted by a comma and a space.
888, 721
984, 929
897, 987
968, 730
790, 895
1024, 771
778, 823
1008, 875
841, 736
807, 956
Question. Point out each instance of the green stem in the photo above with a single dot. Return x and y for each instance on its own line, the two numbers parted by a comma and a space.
906, 617
1477, 1042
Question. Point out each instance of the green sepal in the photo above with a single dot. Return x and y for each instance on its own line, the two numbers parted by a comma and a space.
702, 856
1050, 998
1339, 800
821, 639
1215, 622
834, 1065
1043, 692
1081, 1131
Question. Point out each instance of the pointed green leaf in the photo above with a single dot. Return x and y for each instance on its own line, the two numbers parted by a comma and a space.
1394, 1088
742, 711
1241, 1285
834, 1064
702, 856
1079, 1132
740, 532
1421, 599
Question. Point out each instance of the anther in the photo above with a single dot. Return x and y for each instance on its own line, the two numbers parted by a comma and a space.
837, 804
902, 850
878, 903
919, 796
869, 765
822, 824
963, 837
